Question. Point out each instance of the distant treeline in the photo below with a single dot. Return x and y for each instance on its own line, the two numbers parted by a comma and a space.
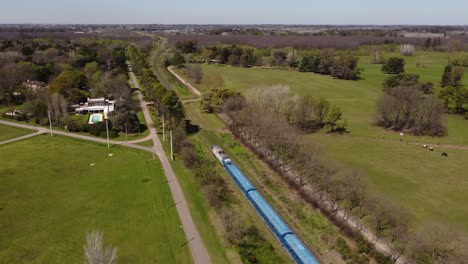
298, 42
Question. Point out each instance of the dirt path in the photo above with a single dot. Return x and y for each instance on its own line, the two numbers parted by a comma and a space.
184, 82
33, 134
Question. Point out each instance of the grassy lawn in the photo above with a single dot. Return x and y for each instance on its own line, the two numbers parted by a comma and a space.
9, 132
48, 203
422, 181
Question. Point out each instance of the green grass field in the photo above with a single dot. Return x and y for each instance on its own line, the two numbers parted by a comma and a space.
424, 182
50, 196
427, 184
357, 99
9, 132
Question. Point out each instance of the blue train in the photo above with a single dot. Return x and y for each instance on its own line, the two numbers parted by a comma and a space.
299, 253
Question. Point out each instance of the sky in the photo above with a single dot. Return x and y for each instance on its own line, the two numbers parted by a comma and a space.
376, 12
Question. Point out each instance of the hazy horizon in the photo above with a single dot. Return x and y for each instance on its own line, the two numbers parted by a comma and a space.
242, 12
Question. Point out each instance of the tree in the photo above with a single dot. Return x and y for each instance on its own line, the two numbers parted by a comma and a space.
346, 68
124, 118
196, 72
173, 106
57, 107
187, 46
377, 57
427, 44
437, 243
447, 76
113, 87
394, 66
67, 81
456, 95
407, 108
177, 59
322, 108
407, 49
333, 117
94, 251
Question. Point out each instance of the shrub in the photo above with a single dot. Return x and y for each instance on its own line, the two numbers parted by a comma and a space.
343, 248
394, 66
189, 157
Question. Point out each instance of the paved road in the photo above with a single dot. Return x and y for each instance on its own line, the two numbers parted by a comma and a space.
197, 248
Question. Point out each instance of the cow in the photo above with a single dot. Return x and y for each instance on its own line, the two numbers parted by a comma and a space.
444, 154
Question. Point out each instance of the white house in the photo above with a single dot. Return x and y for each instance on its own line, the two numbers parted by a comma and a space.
96, 105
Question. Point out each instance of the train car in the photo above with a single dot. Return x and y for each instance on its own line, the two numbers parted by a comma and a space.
287, 238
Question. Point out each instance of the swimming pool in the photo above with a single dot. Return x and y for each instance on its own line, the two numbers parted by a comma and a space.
95, 118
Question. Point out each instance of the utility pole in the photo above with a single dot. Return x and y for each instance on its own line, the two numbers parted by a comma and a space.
126, 134
164, 135
107, 130
50, 124
172, 154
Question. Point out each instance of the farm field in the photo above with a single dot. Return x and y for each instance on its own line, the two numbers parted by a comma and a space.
425, 183
8, 132
357, 99
49, 202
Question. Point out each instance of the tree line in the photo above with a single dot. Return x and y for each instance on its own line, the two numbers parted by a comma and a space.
261, 121
343, 67
166, 102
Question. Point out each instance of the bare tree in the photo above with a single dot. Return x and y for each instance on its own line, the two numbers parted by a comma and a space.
407, 49
94, 251
439, 244
196, 72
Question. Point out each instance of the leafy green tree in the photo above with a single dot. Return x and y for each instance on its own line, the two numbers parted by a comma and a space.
333, 118
177, 59
456, 95
173, 106
124, 118
68, 83
394, 66
447, 76
322, 108
187, 46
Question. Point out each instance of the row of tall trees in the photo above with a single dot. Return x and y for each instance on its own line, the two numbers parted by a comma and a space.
166, 101
261, 121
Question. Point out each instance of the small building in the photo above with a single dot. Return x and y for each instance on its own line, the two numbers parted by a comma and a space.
34, 85
96, 105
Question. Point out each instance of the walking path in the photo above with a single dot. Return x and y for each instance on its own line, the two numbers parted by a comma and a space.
20, 138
